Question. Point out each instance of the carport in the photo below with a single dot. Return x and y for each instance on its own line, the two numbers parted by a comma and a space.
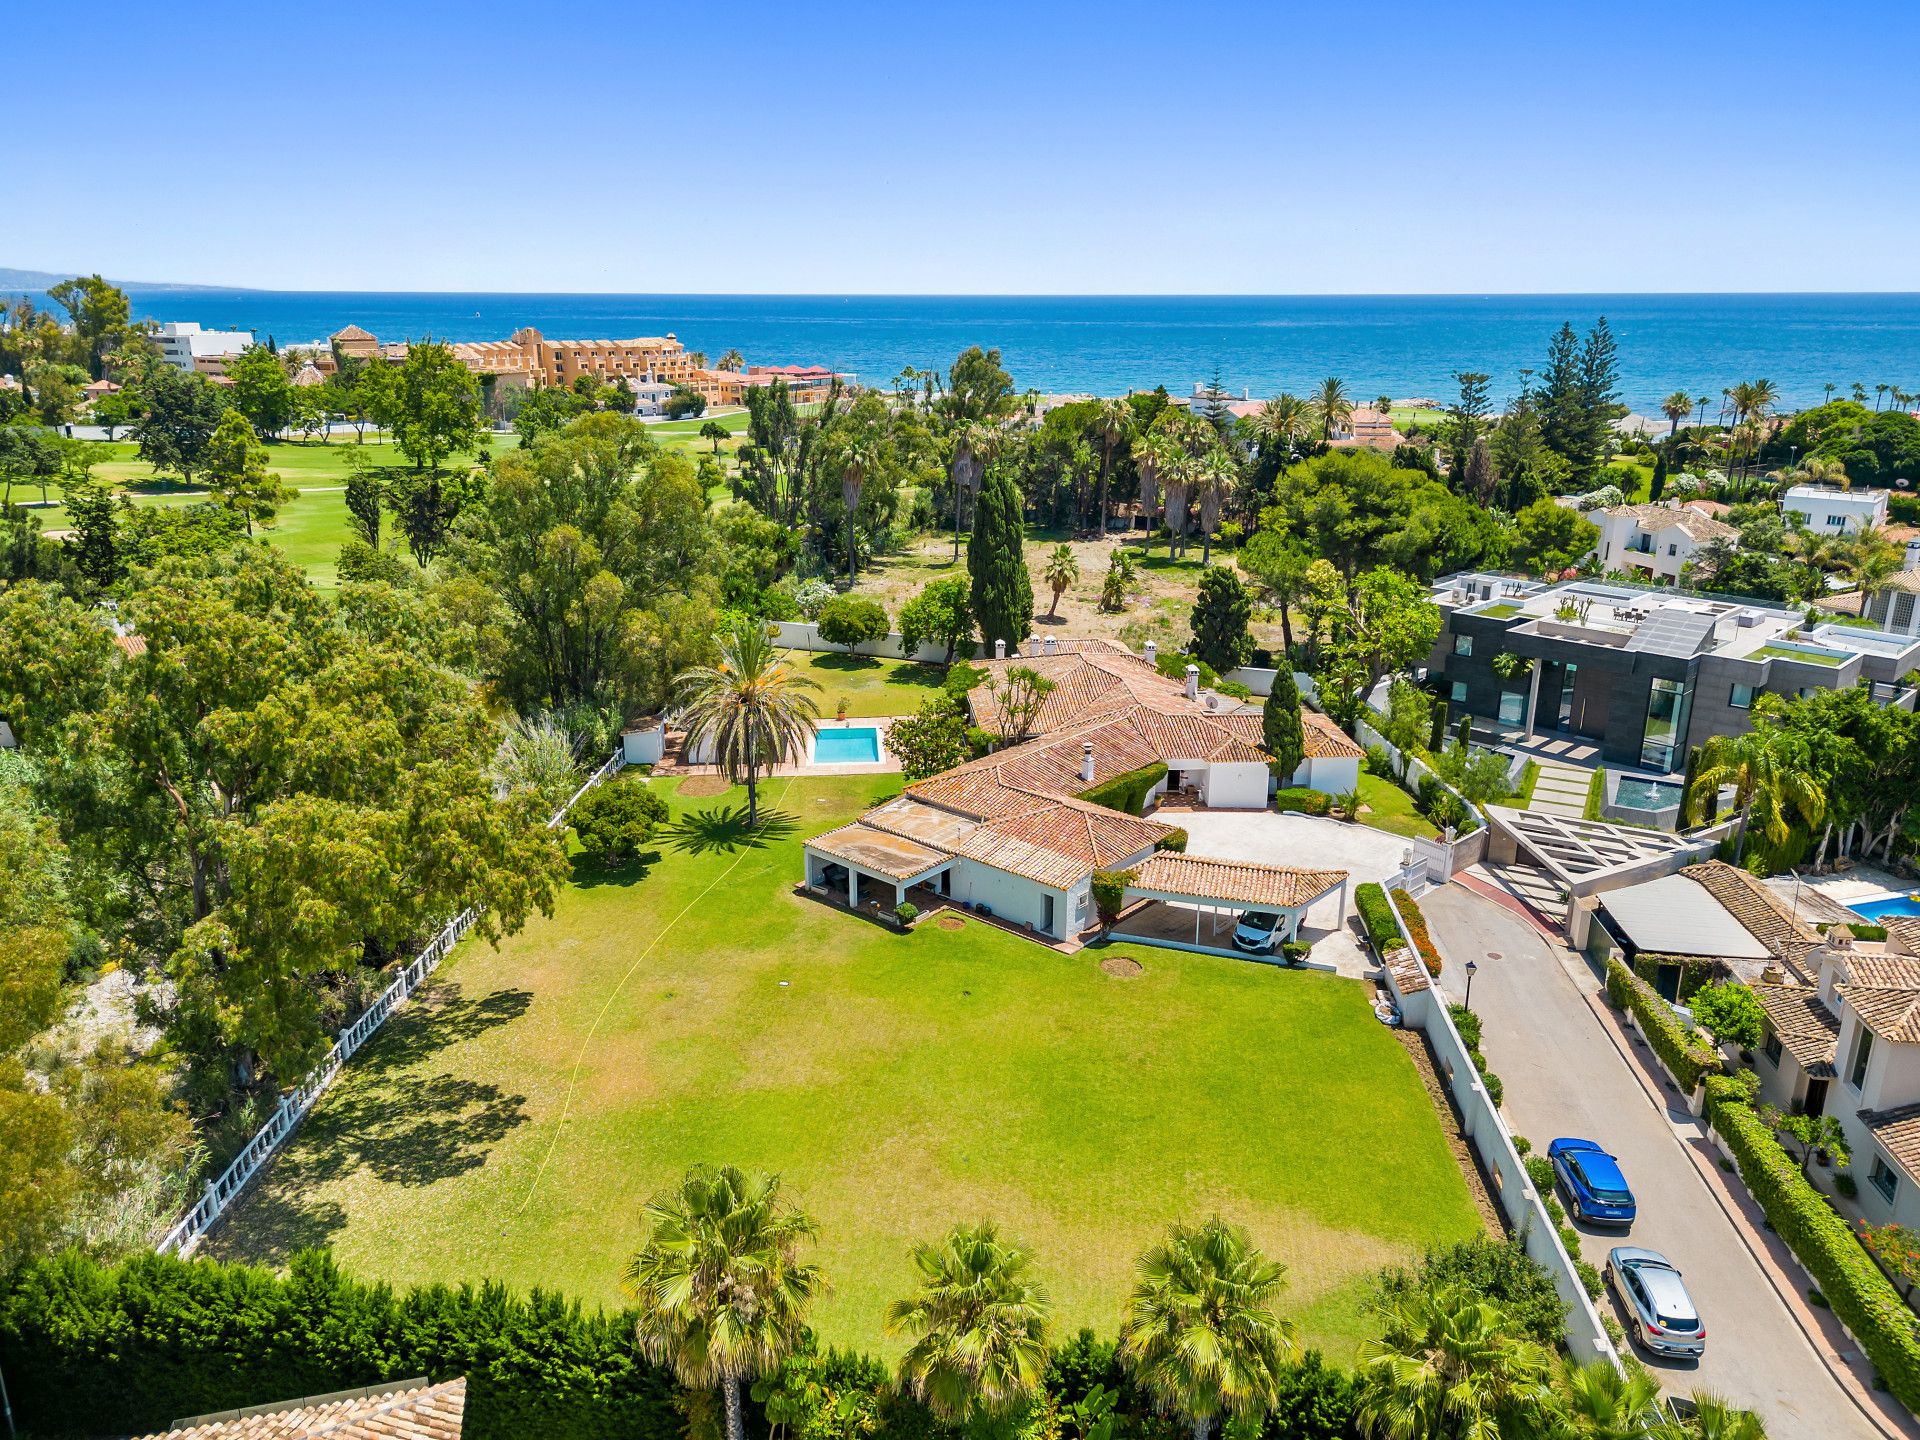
1212, 889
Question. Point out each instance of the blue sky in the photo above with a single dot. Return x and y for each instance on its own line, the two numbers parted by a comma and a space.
1275, 148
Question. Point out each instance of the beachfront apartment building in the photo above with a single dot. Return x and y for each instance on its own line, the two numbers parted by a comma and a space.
186, 346
1656, 542
1829, 510
1644, 675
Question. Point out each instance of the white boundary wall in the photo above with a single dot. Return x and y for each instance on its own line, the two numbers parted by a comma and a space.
1426, 1011
225, 1188
1445, 859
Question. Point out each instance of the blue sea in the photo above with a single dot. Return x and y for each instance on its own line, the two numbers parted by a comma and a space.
1398, 345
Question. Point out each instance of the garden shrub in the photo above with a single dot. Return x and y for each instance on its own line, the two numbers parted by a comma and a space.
1127, 792
1370, 900
1307, 802
98, 1351
1500, 1270
1860, 1294
1174, 840
907, 912
852, 621
1596, 796
1685, 1055
1109, 893
1540, 1172
615, 818
1466, 1023
1416, 925
1379, 762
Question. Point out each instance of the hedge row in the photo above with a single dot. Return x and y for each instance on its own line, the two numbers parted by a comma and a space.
1860, 1294
1688, 1059
1127, 793
93, 1351
1307, 802
1416, 927
114, 1352
1370, 900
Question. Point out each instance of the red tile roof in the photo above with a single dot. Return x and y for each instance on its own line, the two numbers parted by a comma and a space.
420, 1412
1236, 882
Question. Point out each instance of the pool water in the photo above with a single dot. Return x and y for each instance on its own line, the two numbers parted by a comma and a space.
848, 745
1888, 905
1646, 794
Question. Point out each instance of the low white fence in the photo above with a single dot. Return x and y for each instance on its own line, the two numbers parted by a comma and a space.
225, 1188
1426, 1010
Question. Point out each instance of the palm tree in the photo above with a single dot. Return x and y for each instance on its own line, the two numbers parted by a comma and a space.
732, 360
1812, 548
1214, 474
1824, 470
1200, 1333
1879, 395
1283, 420
1605, 1401
1714, 1418
1062, 570
859, 457
1676, 407
1111, 422
1771, 775
1869, 555
1448, 1366
1156, 457
973, 447
750, 706
721, 1289
1177, 475
1331, 406
981, 1322
1384, 404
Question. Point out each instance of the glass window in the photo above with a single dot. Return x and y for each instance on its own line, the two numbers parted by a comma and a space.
1883, 1179
1862, 1052
1773, 1048
1513, 707
1458, 694
1463, 645
1742, 697
1667, 706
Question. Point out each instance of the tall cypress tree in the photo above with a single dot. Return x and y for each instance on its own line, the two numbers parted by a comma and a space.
997, 562
1659, 485
1281, 734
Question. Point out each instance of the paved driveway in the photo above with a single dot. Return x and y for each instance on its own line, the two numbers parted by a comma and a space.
1300, 840
1565, 1077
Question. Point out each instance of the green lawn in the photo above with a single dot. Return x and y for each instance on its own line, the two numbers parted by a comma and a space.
869, 686
512, 1120
1389, 808
1788, 652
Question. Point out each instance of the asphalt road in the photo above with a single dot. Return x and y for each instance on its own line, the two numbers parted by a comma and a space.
1565, 1077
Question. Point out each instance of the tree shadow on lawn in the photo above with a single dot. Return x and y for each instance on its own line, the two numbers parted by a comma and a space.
837, 660
406, 1132
591, 874
442, 1015
700, 832
274, 1223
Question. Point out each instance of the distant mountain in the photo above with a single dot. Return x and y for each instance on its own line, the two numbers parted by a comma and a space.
15, 282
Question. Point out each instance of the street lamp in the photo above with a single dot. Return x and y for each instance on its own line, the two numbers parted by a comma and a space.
1472, 965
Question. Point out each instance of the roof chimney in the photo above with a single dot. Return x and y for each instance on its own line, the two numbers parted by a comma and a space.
1046, 646
999, 649
1086, 762
1153, 651
1193, 681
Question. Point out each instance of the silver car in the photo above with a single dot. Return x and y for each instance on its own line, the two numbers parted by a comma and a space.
1665, 1321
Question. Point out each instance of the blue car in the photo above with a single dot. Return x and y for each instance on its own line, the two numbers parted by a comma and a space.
1596, 1190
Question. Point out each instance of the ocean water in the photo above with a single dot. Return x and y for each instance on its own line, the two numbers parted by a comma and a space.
1398, 345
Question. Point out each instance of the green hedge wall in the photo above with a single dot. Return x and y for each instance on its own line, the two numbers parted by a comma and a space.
1687, 1057
1127, 793
1854, 1286
97, 1351
1307, 802
1370, 900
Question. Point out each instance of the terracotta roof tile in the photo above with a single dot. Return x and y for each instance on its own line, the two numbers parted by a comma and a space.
1765, 916
421, 1412
1890, 1014
1806, 1027
1898, 1132
1237, 882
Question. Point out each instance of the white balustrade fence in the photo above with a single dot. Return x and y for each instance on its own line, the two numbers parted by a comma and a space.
295, 1103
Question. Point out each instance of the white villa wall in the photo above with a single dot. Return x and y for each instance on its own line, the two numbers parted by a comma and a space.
1235, 786
1332, 774
1013, 897
1835, 512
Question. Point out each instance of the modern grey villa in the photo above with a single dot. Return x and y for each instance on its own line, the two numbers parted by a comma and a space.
1642, 674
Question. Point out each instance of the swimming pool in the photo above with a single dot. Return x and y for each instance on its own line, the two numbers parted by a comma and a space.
1885, 905
847, 745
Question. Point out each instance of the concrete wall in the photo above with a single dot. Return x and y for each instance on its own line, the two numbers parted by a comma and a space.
805, 635
1235, 786
1015, 898
644, 747
1334, 774
1513, 1191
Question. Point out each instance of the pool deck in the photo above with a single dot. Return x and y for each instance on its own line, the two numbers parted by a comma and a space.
674, 762
1844, 888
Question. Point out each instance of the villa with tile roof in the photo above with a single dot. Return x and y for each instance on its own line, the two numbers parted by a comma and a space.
1656, 540
1009, 834
409, 1410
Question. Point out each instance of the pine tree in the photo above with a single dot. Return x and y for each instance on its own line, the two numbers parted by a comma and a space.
996, 560
1220, 619
1281, 734
1599, 390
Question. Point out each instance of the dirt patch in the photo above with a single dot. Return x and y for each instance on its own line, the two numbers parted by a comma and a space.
1122, 967
701, 787
951, 922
